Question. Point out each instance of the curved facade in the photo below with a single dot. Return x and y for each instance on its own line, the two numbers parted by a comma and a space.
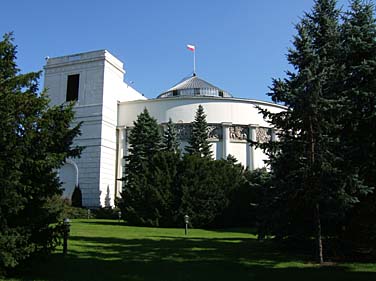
108, 107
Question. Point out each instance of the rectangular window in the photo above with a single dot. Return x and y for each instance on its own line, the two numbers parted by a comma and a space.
73, 83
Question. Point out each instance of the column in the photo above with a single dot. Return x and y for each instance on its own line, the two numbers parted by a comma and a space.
273, 135
225, 139
251, 149
122, 150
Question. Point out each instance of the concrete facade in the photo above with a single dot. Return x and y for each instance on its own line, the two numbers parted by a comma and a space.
107, 106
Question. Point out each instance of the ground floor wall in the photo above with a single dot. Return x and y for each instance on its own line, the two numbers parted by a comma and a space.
233, 125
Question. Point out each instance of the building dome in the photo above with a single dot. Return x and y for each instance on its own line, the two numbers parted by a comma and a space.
194, 86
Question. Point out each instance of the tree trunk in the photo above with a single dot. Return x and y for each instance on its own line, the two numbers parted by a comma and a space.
313, 184
320, 257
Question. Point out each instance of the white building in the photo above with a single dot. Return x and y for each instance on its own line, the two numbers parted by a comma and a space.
107, 107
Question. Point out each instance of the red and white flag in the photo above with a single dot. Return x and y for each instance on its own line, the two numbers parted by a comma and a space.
191, 48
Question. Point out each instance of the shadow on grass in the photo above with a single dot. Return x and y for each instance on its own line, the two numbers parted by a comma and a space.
245, 230
96, 258
104, 222
123, 223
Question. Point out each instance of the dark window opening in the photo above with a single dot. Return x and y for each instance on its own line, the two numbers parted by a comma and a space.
175, 92
73, 84
196, 91
221, 93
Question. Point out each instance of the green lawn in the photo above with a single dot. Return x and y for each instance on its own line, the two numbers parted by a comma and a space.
107, 250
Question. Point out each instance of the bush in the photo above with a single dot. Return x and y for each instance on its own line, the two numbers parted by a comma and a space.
206, 187
106, 213
75, 212
77, 197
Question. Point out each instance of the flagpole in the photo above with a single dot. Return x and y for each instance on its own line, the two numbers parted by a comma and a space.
194, 62
192, 48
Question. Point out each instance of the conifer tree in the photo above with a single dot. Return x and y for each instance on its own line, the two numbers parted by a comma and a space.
35, 140
358, 134
303, 162
359, 90
77, 197
205, 189
145, 141
198, 143
138, 191
170, 138
162, 195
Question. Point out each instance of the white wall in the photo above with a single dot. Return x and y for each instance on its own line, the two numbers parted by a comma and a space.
101, 87
67, 175
218, 110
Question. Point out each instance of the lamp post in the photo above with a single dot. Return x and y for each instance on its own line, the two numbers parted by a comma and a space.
186, 219
66, 230
119, 216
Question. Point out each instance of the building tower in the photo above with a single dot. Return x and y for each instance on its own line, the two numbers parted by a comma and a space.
95, 81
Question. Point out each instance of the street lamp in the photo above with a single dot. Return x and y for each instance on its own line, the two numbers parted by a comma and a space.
66, 230
186, 219
119, 216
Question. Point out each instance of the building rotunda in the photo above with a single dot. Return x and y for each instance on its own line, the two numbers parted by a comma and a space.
107, 106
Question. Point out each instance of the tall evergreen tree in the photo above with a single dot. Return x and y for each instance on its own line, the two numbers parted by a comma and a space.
145, 143
35, 140
170, 138
358, 135
359, 90
304, 162
198, 143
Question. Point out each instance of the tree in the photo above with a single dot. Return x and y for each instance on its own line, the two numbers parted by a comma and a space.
198, 143
35, 141
239, 211
77, 197
260, 193
145, 143
358, 134
163, 197
305, 163
170, 138
359, 93
205, 187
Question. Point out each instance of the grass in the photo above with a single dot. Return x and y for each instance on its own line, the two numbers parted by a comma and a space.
104, 250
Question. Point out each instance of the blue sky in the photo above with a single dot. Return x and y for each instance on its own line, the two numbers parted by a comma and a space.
240, 44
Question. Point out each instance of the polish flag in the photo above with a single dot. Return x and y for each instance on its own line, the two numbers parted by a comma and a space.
191, 48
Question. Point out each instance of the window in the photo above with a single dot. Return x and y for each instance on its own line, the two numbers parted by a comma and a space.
73, 83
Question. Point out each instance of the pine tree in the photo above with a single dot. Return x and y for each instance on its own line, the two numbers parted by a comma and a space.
303, 162
145, 143
198, 143
358, 135
35, 140
163, 196
77, 197
359, 90
205, 187
170, 138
